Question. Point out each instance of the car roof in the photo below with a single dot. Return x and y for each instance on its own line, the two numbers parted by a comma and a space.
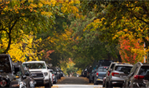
123, 64
34, 62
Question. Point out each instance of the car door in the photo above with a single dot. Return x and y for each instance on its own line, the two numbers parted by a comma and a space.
131, 78
25, 78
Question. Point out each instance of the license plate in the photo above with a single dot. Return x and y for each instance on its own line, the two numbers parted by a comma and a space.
98, 79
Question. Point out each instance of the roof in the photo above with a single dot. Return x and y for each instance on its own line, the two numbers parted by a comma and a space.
124, 64
4, 55
34, 62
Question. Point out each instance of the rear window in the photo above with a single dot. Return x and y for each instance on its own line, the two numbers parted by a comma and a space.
143, 70
102, 69
123, 68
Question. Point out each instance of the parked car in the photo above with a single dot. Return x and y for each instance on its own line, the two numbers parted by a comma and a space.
6, 70
91, 76
23, 77
109, 69
54, 74
40, 73
99, 74
136, 76
104, 62
146, 80
58, 73
13, 74
117, 75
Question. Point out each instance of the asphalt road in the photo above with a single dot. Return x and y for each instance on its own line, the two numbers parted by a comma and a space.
75, 82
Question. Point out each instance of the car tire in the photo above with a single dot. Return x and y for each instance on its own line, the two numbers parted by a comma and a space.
90, 81
106, 85
110, 85
55, 81
95, 83
103, 84
48, 85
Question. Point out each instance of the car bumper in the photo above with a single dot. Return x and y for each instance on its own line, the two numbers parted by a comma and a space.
41, 81
117, 83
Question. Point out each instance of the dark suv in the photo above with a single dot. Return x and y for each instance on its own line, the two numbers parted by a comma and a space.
23, 78
13, 75
118, 74
136, 76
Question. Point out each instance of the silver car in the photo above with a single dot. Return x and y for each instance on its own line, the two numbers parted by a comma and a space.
117, 75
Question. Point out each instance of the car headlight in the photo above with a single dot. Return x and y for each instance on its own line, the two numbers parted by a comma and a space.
21, 83
45, 73
32, 83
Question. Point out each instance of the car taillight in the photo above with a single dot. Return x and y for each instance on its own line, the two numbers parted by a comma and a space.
108, 73
113, 73
138, 77
96, 74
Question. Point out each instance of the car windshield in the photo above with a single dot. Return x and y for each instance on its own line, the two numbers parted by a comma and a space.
102, 69
35, 65
143, 70
5, 65
123, 68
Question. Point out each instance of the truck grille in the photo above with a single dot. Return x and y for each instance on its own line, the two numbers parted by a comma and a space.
37, 74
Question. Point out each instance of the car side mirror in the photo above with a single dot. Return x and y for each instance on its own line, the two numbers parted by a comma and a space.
146, 77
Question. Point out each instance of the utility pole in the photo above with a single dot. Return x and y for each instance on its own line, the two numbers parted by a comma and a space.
144, 53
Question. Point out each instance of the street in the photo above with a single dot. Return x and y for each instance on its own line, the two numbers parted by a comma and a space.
73, 82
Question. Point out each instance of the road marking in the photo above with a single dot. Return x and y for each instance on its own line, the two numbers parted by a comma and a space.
54, 86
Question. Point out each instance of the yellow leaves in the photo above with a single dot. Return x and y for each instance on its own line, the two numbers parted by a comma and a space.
33, 5
125, 30
40, 5
46, 13
6, 8
53, 2
30, 0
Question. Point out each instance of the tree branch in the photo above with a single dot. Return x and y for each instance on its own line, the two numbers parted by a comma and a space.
141, 19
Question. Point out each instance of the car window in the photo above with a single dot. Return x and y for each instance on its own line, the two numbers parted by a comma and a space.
102, 69
5, 64
123, 68
112, 66
35, 65
143, 70
18, 71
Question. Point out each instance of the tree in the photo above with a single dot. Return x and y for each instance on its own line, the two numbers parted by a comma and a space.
24, 16
115, 17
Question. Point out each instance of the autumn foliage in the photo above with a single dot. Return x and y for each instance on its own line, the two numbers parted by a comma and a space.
131, 50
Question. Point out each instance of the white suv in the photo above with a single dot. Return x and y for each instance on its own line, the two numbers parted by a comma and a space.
40, 73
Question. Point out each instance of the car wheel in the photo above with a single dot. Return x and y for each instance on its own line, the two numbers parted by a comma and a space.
106, 85
95, 83
48, 85
90, 81
110, 85
55, 81
103, 84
